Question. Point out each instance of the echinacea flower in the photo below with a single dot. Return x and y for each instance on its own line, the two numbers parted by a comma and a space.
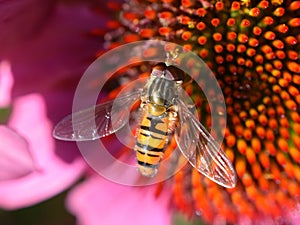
253, 49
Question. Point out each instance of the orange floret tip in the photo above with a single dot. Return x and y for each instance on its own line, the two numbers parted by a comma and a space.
273, 122
250, 155
260, 131
295, 117
295, 5
295, 22
240, 167
263, 183
264, 160
243, 38
278, 64
187, 47
186, 35
215, 22
254, 12
186, 3
230, 22
247, 180
251, 52
297, 172
278, 44
284, 95
282, 28
296, 140
280, 111
284, 132
291, 40
240, 49
270, 147
253, 42
131, 38
247, 134
245, 23
257, 30
203, 53
249, 123
165, 15
293, 55
218, 48
296, 127
270, 35
263, 4
293, 66
165, 31
252, 192
289, 169
256, 170
150, 14
219, 6
219, 60
202, 40
280, 157
235, 6
256, 145
201, 26
279, 12
276, 174
147, 33
296, 79
217, 36
230, 154
268, 20
291, 104
231, 35
241, 146
130, 16
280, 54
294, 189
201, 12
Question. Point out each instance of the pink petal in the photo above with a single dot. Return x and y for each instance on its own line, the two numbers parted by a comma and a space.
99, 201
56, 59
6, 83
29, 119
15, 158
21, 20
53, 174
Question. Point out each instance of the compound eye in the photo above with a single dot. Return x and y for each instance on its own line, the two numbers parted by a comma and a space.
159, 70
176, 73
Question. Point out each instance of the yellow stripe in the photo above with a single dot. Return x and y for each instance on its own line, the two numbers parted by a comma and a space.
157, 154
153, 143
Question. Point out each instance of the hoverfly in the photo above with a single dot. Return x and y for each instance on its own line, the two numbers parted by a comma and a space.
163, 111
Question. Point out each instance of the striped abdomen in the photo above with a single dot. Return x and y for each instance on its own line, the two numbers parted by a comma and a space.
152, 138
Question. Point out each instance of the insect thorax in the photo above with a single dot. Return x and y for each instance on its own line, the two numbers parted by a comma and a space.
161, 92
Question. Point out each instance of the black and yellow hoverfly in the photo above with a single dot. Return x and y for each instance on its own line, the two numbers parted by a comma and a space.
163, 111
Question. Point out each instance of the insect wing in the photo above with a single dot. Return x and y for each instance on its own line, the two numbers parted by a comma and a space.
201, 149
97, 121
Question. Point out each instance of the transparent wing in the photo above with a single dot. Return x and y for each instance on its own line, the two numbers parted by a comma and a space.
201, 149
97, 121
